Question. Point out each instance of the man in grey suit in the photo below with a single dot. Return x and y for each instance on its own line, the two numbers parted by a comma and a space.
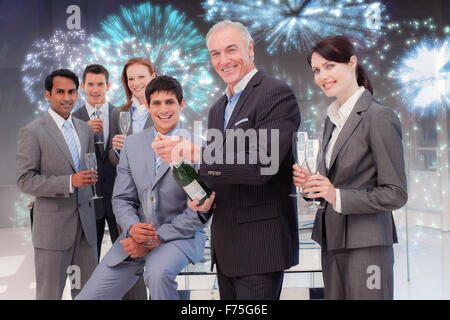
174, 235
50, 159
96, 84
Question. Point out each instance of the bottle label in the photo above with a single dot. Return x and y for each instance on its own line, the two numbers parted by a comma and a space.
194, 190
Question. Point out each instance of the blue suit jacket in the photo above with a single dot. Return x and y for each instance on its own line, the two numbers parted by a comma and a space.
175, 222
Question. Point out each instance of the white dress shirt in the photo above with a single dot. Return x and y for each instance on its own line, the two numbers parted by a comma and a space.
104, 115
59, 123
338, 116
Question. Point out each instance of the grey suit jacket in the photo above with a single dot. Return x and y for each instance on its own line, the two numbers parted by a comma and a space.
367, 165
175, 222
44, 167
114, 129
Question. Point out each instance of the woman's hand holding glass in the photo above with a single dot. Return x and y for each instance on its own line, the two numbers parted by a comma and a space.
318, 186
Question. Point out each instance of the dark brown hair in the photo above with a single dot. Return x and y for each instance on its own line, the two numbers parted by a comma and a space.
340, 49
128, 92
96, 69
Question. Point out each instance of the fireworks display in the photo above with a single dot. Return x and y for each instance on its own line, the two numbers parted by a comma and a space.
295, 25
165, 37
424, 74
64, 49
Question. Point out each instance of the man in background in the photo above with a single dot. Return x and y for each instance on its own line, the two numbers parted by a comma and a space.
96, 84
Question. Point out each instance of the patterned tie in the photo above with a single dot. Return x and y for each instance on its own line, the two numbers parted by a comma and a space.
157, 163
70, 139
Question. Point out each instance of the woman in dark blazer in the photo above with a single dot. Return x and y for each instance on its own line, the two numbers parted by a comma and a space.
362, 178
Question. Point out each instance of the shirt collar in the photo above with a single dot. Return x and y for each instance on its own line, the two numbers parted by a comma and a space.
240, 86
60, 120
338, 115
137, 106
90, 109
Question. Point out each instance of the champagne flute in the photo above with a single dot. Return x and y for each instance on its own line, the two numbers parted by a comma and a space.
149, 206
98, 115
299, 141
124, 122
91, 164
313, 157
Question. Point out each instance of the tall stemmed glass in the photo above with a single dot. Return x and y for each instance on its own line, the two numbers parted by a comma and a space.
98, 115
312, 159
149, 207
299, 141
124, 122
90, 161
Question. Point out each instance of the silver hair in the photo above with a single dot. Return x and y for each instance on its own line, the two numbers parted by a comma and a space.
230, 24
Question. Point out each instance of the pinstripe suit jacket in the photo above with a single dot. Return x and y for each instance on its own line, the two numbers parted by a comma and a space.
254, 226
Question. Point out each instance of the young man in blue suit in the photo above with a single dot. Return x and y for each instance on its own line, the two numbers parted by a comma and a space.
176, 236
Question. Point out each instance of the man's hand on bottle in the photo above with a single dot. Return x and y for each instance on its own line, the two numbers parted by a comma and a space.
206, 206
175, 149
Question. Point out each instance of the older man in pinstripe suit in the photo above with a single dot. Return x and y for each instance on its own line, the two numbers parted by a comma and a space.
254, 227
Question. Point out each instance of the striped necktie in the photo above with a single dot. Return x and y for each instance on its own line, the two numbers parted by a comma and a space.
70, 140
157, 163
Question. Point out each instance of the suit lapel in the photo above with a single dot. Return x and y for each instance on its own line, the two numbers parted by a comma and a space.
149, 156
220, 114
84, 114
350, 125
148, 122
52, 129
161, 171
254, 81
327, 132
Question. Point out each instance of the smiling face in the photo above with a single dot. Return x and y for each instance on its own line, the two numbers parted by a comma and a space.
334, 78
95, 87
63, 96
165, 110
231, 56
138, 76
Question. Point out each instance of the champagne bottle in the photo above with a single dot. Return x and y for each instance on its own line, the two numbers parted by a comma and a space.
187, 178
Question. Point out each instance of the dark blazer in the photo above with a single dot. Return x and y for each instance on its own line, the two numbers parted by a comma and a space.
114, 129
106, 170
367, 166
254, 226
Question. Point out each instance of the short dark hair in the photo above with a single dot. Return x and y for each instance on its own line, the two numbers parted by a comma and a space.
164, 83
96, 69
66, 73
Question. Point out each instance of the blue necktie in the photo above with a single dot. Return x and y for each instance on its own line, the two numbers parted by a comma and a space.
157, 163
70, 139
